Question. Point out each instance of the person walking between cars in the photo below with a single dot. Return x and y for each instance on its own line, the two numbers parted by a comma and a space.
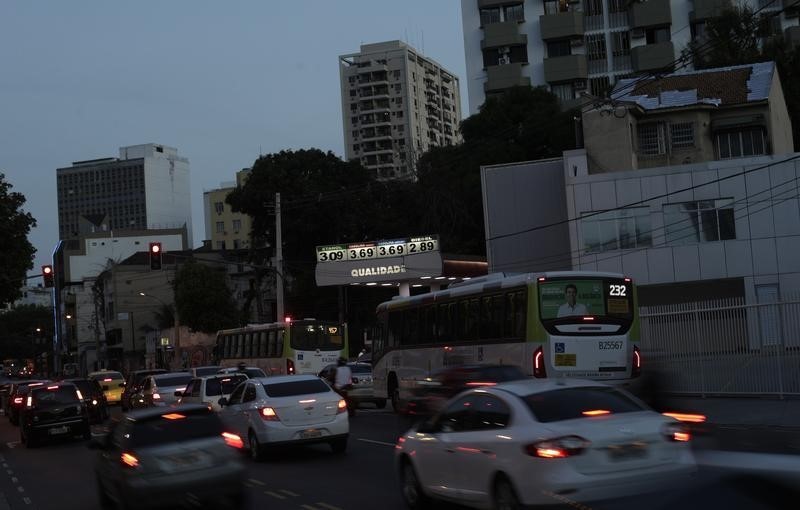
343, 382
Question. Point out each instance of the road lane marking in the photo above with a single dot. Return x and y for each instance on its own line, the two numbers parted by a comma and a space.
27, 500
275, 495
289, 493
308, 507
21, 488
327, 506
14, 479
257, 482
383, 443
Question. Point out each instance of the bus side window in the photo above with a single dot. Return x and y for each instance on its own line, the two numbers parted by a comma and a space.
411, 329
279, 344
491, 317
248, 342
238, 344
473, 319
272, 343
395, 329
520, 305
258, 344
226, 346
443, 323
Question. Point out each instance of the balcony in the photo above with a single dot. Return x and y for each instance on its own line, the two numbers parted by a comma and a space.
562, 25
651, 13
705, 9
504, 77
507, 33
566, 68
653, 57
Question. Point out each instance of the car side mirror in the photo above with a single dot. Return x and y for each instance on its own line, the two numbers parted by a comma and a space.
222, 401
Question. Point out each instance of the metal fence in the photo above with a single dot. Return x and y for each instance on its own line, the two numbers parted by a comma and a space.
724, 347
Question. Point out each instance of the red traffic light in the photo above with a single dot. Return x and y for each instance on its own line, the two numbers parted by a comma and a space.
47, 276
47, 270
155, 247
155, 256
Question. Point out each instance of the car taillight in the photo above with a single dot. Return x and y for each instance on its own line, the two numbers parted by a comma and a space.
676, 432
289, 367
156, 396
233, 440
636, 363
558, 448
341, 407
129, 460
18, 400
268, 414
538, 363
30, 401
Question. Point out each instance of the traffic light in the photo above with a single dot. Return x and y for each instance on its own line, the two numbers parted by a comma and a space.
47, 276
155, 256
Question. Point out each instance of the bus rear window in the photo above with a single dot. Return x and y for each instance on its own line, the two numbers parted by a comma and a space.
310, 337
585, 297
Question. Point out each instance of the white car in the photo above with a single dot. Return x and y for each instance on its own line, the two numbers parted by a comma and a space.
250, 372
209, 389
286, 409
535, 442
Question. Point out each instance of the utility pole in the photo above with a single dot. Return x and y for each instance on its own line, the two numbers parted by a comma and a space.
278, 259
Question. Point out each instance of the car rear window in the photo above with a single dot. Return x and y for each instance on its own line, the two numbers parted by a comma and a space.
571, 403
254, 372
44, 397
174, 427
223, 385
290, 389
361, 369
206, 371
175, 380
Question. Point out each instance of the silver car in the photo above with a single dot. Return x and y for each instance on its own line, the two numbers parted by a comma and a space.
161, 389
165, 456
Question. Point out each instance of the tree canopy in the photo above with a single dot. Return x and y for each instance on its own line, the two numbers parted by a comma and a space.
16, 254
19, 337
203, 299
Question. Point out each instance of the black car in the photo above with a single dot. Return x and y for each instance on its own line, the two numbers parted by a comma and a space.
133, 385
433, 392
51, 411
93, 397
18, 397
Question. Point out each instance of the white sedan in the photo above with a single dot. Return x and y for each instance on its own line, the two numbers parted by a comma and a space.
288, 409
535, 442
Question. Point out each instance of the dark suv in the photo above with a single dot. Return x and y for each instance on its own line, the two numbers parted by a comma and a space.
433, 392
51, 411
133, 385
94, 398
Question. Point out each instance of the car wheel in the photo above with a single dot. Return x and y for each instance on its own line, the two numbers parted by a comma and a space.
256, 452
412, 490
380, 404
339, 445
504, 496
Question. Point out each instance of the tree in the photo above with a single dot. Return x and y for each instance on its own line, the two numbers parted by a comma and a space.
19, 337
203, 299
16, 254
523, 124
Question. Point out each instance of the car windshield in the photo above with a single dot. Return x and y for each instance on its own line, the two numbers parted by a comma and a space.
201, 371
361, 369
174, 380
293, 388
571, 403
55, 396
216, 386
175, 427
254, 372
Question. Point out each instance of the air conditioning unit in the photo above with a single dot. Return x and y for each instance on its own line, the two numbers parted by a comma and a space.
637, 33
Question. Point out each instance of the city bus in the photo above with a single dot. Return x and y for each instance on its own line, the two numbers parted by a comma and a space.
555, 324
291, 347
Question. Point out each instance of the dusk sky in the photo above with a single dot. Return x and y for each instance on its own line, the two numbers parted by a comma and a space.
220, 81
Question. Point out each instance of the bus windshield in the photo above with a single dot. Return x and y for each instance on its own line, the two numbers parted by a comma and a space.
564, 298
310, 337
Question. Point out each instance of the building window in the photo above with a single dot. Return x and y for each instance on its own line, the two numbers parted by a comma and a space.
556, 6
514, 13
681, 135
237, 244
620, 229
220, 227
740, 143
558, 48
490, 15
219, 207
651, 139
657, 35
237, 225
700, 221
220, 245
564, 91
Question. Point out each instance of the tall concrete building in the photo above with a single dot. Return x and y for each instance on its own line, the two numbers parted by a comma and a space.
147, 187
579, 46
226, 229
396, 105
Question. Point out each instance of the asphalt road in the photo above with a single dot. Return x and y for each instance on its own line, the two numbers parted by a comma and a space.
59, 476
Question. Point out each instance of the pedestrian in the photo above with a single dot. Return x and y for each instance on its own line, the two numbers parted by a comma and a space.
343, 383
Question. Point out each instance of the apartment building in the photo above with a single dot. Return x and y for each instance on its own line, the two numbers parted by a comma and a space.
396, 105
146, 187
226, 229
587, 46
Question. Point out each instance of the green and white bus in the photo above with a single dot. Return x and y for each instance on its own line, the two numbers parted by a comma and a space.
292, 347
556, 324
